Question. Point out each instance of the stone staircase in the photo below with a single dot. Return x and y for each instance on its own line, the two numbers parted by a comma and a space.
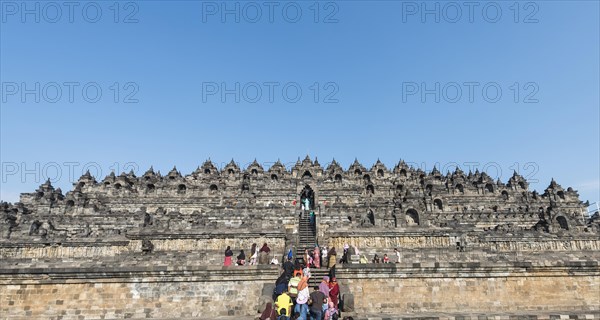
316, 276
307, 238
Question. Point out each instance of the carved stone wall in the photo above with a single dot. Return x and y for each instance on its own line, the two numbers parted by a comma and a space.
475, 290
144, 246
172, 293
259, 199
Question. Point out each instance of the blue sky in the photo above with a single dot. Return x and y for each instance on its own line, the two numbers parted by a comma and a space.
362, 69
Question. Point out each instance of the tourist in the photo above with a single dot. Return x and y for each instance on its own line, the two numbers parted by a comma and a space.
302, 299
288, 268
275, 261
254, 254
397, 252
312, 219
344, 259
351, 250
324, 256
241, 258
283, 304
306, 272
386, 259
331, 256
324, 286
375, 259
293, 286
332, 312
325, 307
228, 255
303, 283
334, 292
281, 285
283, 315
363, 259
263, 258
298, 269
317, 257
253, 258
316, 308
265, 248
263, 255
307, 258
268, 313
290, 254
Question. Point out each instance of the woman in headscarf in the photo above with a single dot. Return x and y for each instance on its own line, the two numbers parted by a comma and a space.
228, 255
307, 258
263, 254
241, 258
344, 258
317, 257
268, 313
281, 285
265, 248
332, 255
324, 286
334, 292
324, 256
253, 254
363, 259
375, 259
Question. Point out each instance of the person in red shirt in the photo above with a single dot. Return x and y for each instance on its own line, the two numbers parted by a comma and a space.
334, 291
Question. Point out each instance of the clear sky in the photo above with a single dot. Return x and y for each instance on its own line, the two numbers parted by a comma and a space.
496, 86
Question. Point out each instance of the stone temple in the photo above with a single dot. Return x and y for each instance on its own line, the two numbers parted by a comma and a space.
152, 246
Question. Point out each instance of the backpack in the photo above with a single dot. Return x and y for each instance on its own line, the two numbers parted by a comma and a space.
280, 288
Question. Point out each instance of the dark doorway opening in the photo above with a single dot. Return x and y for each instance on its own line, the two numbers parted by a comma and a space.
307, 198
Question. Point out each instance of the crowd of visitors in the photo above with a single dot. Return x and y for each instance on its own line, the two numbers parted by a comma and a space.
312, 258
257, 256
293, 297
